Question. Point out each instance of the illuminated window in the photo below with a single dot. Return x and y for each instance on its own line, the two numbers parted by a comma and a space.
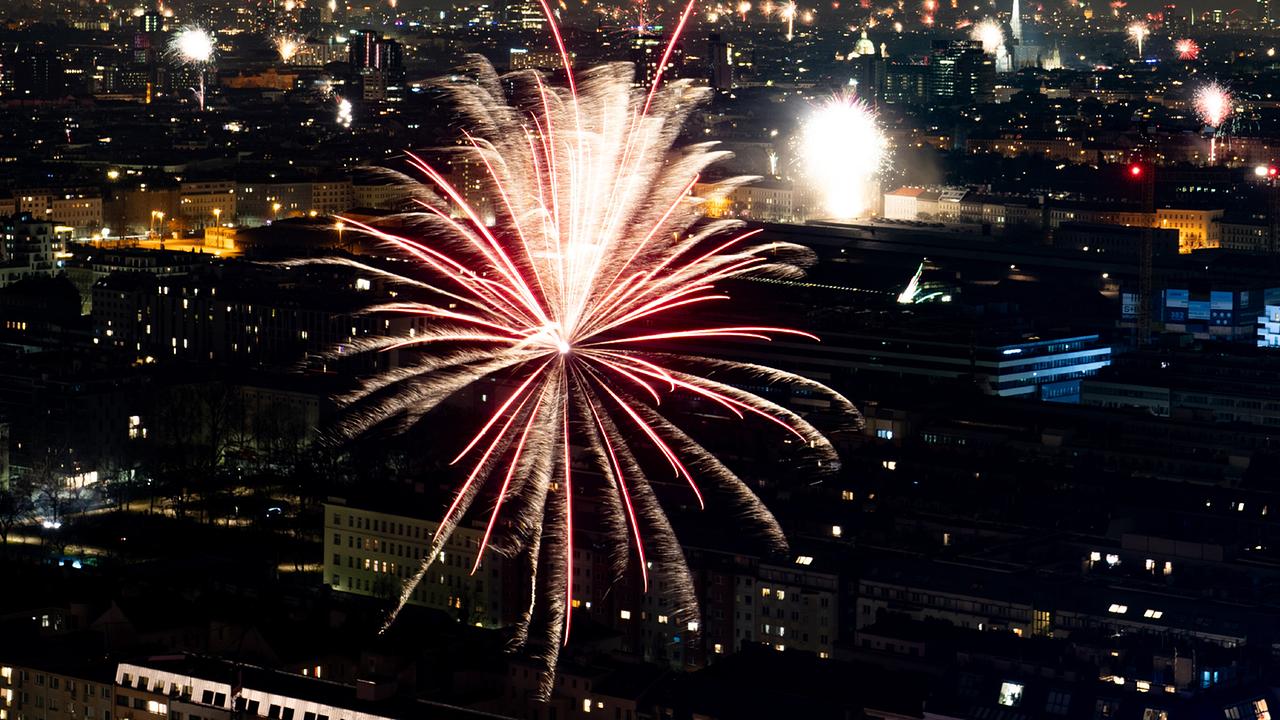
1118, 609
836, 531
693, 626
1113, 559
586, 705
782, 594
765, 592
1010, 694
663, 619
804, 560
846, 495
718, 648
1153, 614
625, 614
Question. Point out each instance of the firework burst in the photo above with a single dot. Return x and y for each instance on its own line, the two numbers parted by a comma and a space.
1187, 49
843, 148
1138, 33
194, 47
1213, 104
578, 300
990, 34
287, 48
788, 11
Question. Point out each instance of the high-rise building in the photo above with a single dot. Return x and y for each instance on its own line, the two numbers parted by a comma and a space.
38, 73
646, 53
150, 22
367, 49
720, 59
959, 72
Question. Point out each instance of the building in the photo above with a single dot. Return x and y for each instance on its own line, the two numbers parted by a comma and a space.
762, 200
1046, 367
28, 248
959, 72
79, 209
1124, 241
375, 552
798, 605
1245, 234
1197, 229
65, 688
195, 687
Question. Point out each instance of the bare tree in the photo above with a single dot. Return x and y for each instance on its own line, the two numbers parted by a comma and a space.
16, 507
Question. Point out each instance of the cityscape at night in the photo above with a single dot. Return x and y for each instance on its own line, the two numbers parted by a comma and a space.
639, 360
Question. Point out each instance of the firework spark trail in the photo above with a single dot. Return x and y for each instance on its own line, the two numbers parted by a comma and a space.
568, 301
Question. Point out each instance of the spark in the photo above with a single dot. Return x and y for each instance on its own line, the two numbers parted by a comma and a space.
787, 12
582, 301
287, 47
991, 35
194, 47
1138, 32
1213, 104
842, 149
1187, 49
344, 112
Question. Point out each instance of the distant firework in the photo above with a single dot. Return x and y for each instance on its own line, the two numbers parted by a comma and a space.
1188, 49
1213, 104
788, 11
344, 116
579, 304
286, 47
990, 34
194, 47
842, 149
1138, 32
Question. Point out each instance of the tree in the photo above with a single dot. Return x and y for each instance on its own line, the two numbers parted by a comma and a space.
16, 507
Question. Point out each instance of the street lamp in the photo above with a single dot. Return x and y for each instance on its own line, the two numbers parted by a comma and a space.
275, 210
339, 226
217, 215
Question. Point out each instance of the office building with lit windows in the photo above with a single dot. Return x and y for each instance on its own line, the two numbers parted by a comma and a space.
1026, 365
375, 552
